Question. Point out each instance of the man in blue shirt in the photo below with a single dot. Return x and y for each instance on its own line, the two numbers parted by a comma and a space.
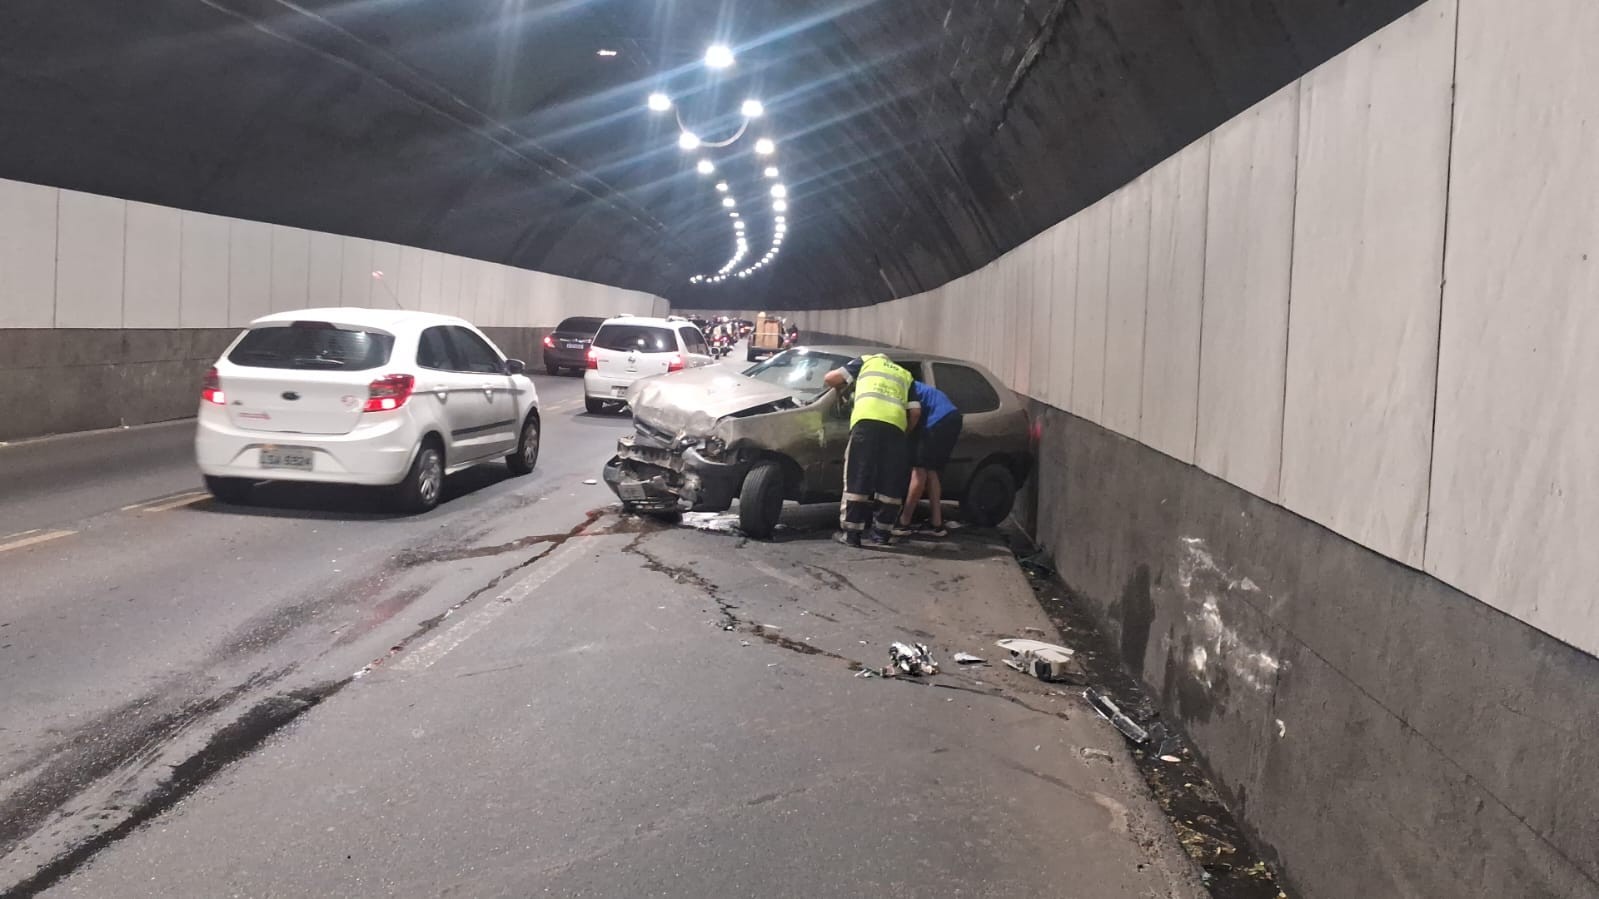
931, 446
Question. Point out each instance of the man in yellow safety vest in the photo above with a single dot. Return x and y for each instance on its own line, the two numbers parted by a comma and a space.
877, 460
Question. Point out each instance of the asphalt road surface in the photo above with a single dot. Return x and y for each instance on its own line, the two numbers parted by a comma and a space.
523, 692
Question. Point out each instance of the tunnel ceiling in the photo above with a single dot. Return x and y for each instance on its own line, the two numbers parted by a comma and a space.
918, 140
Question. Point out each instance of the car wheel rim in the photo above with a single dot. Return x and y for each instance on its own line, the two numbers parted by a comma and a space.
428, 484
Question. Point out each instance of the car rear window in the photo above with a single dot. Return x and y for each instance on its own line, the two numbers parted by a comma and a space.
642, 338
313, 345
966, 388
582, 324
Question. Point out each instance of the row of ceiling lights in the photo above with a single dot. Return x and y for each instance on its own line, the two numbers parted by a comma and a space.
717, 57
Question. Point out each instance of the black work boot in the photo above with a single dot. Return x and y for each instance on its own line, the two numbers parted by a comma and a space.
849, 538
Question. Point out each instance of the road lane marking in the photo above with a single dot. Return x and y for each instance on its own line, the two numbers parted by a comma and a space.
164, 503
30, 538
429, 653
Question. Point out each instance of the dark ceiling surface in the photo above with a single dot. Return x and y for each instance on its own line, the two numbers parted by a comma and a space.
919, 140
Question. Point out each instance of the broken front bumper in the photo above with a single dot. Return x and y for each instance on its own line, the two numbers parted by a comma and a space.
653, 478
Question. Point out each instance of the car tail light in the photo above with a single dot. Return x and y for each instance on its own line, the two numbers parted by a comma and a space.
549, 341
676, 363
389, 393
211, 389
594, 361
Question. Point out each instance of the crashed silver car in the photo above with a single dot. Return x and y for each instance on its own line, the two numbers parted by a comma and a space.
705, 437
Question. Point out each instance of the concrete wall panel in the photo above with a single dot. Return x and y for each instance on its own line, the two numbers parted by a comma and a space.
1368, 255
153, 270
1041, 308
409, 286
1178, 189
90, 245
355, 278
1249, 239
1515, 486
1093, 285
204, 281
27, 255
386, 289
327, 270
249, 272
1125, 307
1063, 311
291, 268
431, 299
450, 284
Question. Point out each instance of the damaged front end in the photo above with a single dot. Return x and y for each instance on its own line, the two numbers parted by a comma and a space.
688, 450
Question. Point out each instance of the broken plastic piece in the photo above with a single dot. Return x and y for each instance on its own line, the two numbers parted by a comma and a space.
1170, 759
966, 658
1112, 713
912, 658
591, 482
1045, 661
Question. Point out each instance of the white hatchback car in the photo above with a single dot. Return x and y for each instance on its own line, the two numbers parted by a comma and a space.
362, 396
630, 347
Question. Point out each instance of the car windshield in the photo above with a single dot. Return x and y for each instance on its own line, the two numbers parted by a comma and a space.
798, 371
313, 345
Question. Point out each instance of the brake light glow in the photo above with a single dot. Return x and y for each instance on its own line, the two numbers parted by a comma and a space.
594, 361
389, 393
676, 364
549, 341
211, 389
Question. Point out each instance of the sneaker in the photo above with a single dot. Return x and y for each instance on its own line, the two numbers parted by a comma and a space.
879, 538
937, 530
849, 538
902, 530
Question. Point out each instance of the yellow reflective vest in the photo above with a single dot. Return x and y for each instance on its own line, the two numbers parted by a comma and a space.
882, 391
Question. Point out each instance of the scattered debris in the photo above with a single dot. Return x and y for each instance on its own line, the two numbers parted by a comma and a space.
1170, 759
1282, 729
966, 658
591, 482
868, 672
1045, 661
912, 658
743, 642
1108, 710
727, 626
1034, 630
1090, 752
1037, 565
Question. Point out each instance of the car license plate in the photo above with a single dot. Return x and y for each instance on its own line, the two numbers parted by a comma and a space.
298, 458
619, 392
574, 346
634, 492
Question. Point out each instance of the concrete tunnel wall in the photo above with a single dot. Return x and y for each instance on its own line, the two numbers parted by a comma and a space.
110, 310
1320, 442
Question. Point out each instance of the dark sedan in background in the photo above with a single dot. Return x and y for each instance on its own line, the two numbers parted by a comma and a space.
568, 345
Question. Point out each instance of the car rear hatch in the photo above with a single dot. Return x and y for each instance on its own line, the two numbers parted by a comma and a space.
634, 351
302, 377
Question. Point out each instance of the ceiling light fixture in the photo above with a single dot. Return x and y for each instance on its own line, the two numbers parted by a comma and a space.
721, 186
718, 56
779, 191
729, 202
706, 167
752, 109
660, 102
604, 52
771, 171
688, 140
780, 205
765, 146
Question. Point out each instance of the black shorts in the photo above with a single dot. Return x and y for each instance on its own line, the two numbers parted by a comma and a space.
876, 464
932, 447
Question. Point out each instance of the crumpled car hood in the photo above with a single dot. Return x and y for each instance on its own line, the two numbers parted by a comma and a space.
691, 402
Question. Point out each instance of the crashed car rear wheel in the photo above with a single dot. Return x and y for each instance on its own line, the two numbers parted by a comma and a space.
760, 503
989, 497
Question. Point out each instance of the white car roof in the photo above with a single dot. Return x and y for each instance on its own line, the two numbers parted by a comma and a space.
382, 319
646, 320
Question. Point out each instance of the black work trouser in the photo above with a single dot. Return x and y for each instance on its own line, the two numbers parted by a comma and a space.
876, 473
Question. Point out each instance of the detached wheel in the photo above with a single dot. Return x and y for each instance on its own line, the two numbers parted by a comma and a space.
233, 491
594, 406
989, 497
526, 456
423, 486
760, 503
